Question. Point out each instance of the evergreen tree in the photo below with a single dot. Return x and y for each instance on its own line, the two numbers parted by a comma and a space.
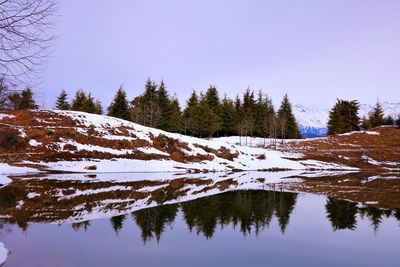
62, 102
145, 108
376, 118
166, 108
343, 117
213, 102
260, 112
27, 101
388, 120
286, 121
175, 117
209, 123
86, 103
247, 111
23, 100
119, 107
89, 105
98, 107
229, 117
78, 103
191, 115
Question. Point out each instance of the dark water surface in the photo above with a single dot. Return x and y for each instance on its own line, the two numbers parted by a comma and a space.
239, 228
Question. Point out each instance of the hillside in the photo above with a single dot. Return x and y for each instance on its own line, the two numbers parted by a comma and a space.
377, 149
80, 142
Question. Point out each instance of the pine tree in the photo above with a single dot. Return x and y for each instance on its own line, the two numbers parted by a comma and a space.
86, 103
260, 113
209, 122
388, 121
175, 117
146, 109
98, 107
191, 115
376, 118
269, 121
166, 108
287, 124
90, 106
343, 117
78, 103
119, 107
27, 101
247, 113
62, 102
213, 102
229, 117
23, 100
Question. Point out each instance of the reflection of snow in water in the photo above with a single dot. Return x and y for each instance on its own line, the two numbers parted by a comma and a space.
3, 253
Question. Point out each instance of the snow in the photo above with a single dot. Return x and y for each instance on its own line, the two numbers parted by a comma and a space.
248, 158
34, 143
4, 180
257, 141
151, 150
8, 169
370, 160
6, 116
92, 148
102, 209
313, 121
372, 133
3, 253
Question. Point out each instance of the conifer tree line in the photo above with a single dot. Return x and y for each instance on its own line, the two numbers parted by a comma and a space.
205, 113
344, 118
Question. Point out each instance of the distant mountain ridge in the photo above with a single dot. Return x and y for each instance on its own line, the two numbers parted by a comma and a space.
313, 122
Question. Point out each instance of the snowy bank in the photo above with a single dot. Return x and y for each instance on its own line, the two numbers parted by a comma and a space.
3, 253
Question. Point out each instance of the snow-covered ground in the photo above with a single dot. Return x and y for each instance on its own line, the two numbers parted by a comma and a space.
256, 141
8, 169
246, 158
3, 253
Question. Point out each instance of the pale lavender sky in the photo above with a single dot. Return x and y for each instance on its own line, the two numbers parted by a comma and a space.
314, 50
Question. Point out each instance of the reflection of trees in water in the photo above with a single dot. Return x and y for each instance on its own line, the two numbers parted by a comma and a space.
246, 209
152, 222
81, 226
343, 214
250, 210
117, 222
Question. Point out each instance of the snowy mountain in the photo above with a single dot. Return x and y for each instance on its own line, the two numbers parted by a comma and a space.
313, 122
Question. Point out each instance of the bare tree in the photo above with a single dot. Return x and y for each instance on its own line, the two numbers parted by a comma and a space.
25, 37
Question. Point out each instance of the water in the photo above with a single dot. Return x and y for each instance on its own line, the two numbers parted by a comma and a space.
231, 228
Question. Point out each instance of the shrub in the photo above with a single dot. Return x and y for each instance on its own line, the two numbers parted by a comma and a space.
9, 139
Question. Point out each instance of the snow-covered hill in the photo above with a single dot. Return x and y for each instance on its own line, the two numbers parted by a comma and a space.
82, 142
313, 122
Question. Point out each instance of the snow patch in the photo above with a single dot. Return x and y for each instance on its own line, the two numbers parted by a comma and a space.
3, 253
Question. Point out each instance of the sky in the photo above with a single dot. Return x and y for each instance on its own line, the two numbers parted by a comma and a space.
316, 51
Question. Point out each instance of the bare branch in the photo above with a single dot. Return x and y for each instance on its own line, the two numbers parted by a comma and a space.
25, 37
